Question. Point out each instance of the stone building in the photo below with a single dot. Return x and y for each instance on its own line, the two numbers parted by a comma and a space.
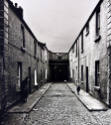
43, 63
22, 56
59, 66
90, 55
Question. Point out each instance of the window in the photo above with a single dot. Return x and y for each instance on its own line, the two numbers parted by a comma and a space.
98, 22
82, 73
73, 75
35, 48
73, 49
76, 49
97, 73
23, 35
87, 29
82, 43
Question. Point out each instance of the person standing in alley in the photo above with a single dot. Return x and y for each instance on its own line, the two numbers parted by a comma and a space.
24, 94
78, 89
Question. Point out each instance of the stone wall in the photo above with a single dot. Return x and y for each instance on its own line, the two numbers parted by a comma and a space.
92, 51
17, 43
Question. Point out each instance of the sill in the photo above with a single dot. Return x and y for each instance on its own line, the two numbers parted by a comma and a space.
97, 88
23, 49
98, 38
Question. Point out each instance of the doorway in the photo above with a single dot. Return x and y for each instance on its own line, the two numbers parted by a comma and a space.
97, 73
29, 72
87, 79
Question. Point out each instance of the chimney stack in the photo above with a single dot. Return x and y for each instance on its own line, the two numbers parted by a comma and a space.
20, 12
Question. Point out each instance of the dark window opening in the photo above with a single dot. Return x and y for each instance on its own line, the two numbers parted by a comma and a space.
82, 43
73, 49
87, 29
82, 73
98, 22
35, 48
76, 49
23, 35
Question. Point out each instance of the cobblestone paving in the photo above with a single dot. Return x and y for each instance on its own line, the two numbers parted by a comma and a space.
60, 107
103, 116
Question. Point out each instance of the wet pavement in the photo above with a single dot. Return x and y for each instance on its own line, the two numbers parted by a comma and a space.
59, 106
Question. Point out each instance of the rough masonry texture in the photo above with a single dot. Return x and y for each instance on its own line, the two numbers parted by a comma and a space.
90, 55
23, 59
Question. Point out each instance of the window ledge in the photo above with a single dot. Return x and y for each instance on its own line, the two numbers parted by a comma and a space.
97, 88
23, 49
98, 38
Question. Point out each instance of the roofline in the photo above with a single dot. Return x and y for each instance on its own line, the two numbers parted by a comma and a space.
22, 20
90, 17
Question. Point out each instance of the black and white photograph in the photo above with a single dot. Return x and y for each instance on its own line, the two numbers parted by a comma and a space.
55, 62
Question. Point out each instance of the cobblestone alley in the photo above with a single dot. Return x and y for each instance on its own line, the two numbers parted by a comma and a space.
59, 106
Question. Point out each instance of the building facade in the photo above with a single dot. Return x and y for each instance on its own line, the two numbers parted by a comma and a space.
89, 56
22, 57
43, 63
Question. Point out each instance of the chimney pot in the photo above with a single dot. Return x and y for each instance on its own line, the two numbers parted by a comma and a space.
16, 5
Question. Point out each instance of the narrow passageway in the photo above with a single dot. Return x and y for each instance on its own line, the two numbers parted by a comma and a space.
59, 106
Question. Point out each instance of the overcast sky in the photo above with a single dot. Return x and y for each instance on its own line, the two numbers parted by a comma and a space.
56, 22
